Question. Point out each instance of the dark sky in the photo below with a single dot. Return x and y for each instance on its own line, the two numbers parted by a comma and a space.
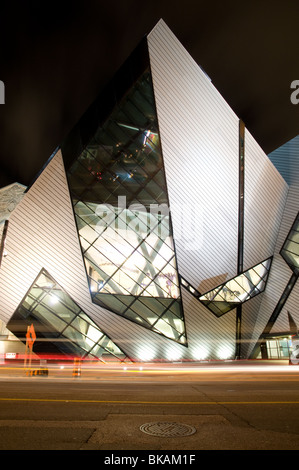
56, 56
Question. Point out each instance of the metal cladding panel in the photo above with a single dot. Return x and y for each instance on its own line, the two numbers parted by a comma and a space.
200, 144
278, 279
199, 136
209, 337
250, 316
42, 234
264, 202
257, 319
286, 159
265, 195
282, 323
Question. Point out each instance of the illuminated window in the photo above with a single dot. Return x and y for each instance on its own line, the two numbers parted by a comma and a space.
61, 322
290, 249
238, 290
119, 195
234, 292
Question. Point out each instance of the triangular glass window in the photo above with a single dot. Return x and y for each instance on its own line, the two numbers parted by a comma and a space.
60, 324
238, 290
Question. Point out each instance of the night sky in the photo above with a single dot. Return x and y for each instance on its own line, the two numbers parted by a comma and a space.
56, 56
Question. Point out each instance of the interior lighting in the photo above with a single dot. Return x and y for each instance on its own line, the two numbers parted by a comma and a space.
54, 299
147, 133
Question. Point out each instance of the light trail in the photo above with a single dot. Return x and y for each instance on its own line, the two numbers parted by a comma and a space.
146, 402
216, 371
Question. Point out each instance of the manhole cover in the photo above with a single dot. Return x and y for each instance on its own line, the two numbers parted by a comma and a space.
168, 429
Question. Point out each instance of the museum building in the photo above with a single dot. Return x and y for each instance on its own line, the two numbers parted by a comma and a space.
159, 230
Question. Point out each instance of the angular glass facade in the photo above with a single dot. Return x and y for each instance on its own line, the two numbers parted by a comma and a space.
236, 291
119, 195
60, 324
290, 249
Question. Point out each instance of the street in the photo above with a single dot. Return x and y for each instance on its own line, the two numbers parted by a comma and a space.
229, 406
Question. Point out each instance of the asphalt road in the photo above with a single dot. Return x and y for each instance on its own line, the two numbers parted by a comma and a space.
229, 406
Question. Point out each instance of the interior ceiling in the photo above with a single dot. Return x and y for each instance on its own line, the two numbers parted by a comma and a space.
56, 56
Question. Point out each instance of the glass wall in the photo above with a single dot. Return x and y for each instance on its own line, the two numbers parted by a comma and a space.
236, 291
120, 201
59, 320
279, 348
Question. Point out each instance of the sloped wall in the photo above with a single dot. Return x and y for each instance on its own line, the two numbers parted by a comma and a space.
286, 159
200, 143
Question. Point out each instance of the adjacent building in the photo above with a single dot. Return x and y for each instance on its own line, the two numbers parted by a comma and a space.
159, 229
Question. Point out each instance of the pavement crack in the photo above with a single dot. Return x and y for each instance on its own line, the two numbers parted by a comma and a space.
232, 417
236, 419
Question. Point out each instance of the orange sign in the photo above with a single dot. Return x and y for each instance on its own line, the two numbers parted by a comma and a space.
31, 336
